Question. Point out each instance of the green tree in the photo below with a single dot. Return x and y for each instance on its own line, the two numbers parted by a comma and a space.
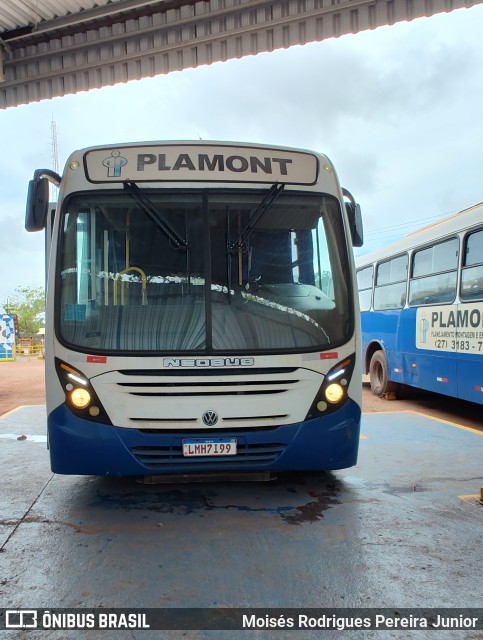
29, 304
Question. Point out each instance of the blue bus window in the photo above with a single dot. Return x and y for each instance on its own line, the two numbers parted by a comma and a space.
434, 274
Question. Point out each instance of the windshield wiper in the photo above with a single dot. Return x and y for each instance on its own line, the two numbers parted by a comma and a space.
154, 214
269, 198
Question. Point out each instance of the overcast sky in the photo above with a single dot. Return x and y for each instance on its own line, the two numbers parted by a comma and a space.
398, 110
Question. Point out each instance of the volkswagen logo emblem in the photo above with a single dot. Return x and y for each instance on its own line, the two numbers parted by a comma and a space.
210, 418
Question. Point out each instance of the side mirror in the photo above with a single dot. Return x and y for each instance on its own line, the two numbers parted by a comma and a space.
357, 230
354, 215
37, 204
38, 199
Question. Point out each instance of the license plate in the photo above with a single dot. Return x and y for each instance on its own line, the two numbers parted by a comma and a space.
209, 447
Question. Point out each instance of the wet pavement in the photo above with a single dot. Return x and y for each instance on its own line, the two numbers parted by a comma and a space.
402, 529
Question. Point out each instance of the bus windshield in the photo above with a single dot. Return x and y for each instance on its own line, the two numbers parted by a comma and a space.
175, 272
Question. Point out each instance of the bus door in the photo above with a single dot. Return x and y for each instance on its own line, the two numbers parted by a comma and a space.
468, 347
435, 364
469, 341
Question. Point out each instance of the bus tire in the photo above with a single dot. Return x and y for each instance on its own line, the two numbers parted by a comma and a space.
378, 375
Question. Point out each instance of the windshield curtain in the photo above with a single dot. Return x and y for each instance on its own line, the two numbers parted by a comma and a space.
213, 283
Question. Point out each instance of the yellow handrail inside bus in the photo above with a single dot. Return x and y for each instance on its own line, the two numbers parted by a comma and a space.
144, 281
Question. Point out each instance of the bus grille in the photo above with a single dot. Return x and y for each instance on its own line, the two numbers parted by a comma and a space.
176, 400
201, 383
173, 455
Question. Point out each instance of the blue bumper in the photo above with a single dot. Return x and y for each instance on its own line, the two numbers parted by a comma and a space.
82, 447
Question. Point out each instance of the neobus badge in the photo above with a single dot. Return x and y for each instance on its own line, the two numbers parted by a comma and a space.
195, 163
208, 362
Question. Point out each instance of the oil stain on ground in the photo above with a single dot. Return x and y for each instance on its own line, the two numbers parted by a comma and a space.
201, 501
313, 510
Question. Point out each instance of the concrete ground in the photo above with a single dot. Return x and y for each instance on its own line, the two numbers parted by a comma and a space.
401, 529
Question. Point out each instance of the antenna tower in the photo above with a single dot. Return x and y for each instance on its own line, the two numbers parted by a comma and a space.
55, 156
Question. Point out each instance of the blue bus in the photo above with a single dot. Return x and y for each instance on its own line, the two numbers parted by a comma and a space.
202, 311
421, 302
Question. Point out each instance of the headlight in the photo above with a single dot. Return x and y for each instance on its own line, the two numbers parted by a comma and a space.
333, 390
80, 396
334, 393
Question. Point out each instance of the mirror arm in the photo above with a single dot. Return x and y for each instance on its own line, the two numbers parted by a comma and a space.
347, 194
52, 176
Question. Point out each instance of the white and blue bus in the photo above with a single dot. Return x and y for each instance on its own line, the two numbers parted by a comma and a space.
421, 303
202, 313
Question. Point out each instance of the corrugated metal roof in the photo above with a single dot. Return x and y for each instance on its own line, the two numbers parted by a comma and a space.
52, 48
15, 14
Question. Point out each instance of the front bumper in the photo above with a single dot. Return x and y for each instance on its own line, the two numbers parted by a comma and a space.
82, 447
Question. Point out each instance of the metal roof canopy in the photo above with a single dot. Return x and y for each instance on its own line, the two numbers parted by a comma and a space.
51, 48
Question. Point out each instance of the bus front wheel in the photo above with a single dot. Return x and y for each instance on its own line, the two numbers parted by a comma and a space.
378, 375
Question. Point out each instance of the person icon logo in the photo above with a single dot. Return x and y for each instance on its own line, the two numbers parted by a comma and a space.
423, 326
114, 164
